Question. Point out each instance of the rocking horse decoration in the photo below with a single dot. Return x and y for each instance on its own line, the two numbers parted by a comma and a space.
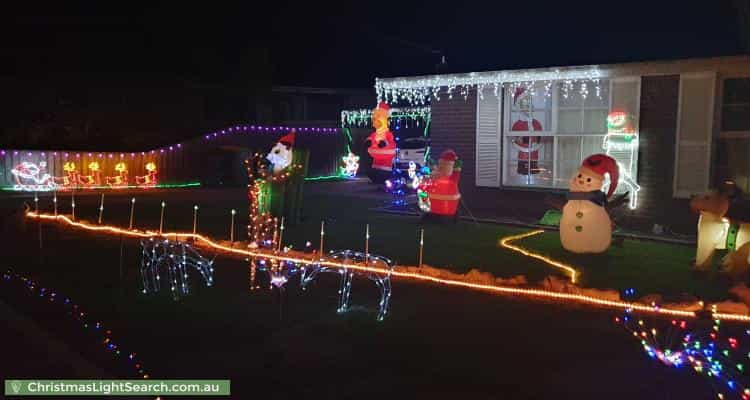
95, 179
381, 279
150, 178
176, 258
121, 179
32, 177
71, 177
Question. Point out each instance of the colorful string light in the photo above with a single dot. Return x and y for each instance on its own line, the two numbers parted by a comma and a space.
51, 296
700, 345
301, 258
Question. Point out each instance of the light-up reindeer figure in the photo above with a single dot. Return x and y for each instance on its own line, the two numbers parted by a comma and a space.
150, 178
621, 143
121, 179
71, 177
95, 179
380, 272
176, 258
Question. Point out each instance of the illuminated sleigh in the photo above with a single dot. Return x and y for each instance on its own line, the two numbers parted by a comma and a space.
32, 177
121, 179
149, 179
381, 271
93, 180
176, 258
70, 179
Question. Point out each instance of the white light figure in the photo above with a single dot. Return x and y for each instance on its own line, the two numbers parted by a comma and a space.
351, 165
381, 278
412, 172
32, 177
621, 143
176, 258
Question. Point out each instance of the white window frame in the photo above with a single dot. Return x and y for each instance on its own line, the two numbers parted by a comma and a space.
551, 132
719, 96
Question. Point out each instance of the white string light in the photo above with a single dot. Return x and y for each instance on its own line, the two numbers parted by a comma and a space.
417, 90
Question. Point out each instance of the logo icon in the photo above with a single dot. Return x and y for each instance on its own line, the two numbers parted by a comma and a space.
16, 386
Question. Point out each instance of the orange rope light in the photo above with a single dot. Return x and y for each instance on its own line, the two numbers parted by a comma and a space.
505, 242
291, 257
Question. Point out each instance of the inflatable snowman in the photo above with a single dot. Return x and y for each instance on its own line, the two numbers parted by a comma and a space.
585, 226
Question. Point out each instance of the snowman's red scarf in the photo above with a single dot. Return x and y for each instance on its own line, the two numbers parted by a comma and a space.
597, 197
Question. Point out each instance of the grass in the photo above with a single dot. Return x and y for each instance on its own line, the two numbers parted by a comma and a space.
648, 267
437, 342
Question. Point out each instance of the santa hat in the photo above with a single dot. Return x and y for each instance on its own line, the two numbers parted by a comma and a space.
520, 92
382, 107
601, 164
288, 139
448, 155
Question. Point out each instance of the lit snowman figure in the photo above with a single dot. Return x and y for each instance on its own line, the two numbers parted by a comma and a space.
585, 226
281, 153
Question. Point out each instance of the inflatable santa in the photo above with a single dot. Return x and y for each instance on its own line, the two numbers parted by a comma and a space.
381, 145
585, 226
441, 188
527, 146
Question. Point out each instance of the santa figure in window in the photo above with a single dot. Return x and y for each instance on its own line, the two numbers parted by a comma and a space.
381, 145
527, 146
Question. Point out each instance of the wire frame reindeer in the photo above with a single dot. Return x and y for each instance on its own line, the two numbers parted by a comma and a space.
176, 258
382, 278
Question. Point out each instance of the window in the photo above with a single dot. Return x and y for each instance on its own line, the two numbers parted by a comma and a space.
545, 137
734, 144
735, 109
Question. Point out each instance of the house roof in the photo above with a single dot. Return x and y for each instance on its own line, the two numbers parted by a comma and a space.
418, 89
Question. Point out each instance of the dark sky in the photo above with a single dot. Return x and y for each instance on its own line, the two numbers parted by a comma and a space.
348, 44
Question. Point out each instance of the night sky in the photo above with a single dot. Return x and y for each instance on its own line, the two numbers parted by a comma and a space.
349, 44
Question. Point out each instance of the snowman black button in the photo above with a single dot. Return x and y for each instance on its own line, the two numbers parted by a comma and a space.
579, 228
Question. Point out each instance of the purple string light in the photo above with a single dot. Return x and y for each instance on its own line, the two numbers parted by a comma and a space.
232, 129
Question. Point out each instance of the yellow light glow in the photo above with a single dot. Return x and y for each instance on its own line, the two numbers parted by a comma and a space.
300, 258
505, 242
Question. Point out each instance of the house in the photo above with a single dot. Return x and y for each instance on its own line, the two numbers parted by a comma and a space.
523, 133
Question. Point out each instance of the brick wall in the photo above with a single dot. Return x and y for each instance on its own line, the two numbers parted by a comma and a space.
454, 126
658, 121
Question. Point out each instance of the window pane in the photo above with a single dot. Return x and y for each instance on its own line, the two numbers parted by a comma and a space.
528, 161
592, 100
574, 99
735, 117
737, 91
734, 162
570, 153
595, 121
524, 106
568, 159
569, 121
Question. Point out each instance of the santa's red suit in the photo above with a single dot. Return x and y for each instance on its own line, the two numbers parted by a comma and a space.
382, 147
382, 157
527, 146
443, 190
